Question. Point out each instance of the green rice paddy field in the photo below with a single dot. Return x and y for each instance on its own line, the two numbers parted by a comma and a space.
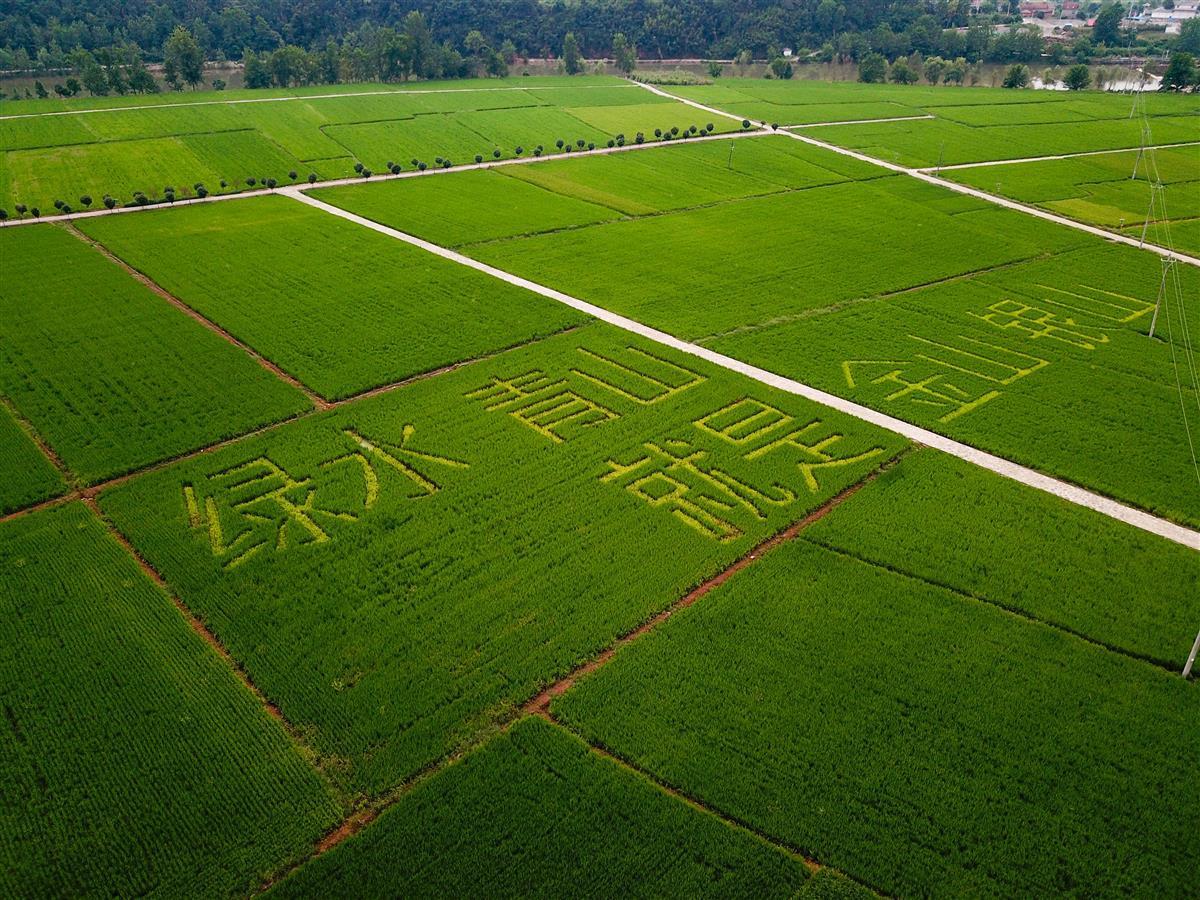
334, 565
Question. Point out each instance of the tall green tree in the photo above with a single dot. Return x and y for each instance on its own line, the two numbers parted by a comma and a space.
1108, 25
1077, 78
572, 60
872, 68
94, 79
420, 45
902, 73
624, 54
182, 54
1189, 37
1180, 74
1017, 76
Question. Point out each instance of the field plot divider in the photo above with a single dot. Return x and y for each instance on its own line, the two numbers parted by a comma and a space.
314, 398
1065, 490
44, 447
860, 121
923, 175
540, 704
198, 626
98, 488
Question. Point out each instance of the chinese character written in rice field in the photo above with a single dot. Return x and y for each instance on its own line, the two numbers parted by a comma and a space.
952, 377
676, 475
672, 476
258, 504
545, 404
761, 430
559, 408
1034, 323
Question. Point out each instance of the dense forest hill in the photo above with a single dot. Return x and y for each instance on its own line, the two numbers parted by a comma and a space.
108, 42
668, 28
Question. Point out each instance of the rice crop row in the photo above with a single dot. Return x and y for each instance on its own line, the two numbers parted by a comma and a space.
981, 105
399, 574
438, 209
920, 742
219, 161
111, 375
340, 307
699, 174
536, 813
133, 761
1037, 362
521, 200
571, 84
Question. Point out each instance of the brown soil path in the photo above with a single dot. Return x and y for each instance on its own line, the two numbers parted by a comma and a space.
314, 398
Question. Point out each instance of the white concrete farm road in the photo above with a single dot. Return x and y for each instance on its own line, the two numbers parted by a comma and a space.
924, 175
412, 90
1030, 477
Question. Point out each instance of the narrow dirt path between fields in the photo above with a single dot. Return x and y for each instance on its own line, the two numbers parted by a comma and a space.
1072, 493
95, 489
923, 175
540, 705
42, 444
197, 625
314, 398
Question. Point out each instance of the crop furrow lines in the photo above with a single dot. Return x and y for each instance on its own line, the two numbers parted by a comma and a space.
301, 97
1057, 486
813, 312
40, 505
732, 821
924, 174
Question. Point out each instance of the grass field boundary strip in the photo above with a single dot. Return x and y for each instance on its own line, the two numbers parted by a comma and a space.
1014, 611
1072, 493
96, 489
923, 175
344, 182
362, 818
209, 638
540, 705
314, 398
837, 307
47, 451
861, 121
334, 96
676, 794
1035, 159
